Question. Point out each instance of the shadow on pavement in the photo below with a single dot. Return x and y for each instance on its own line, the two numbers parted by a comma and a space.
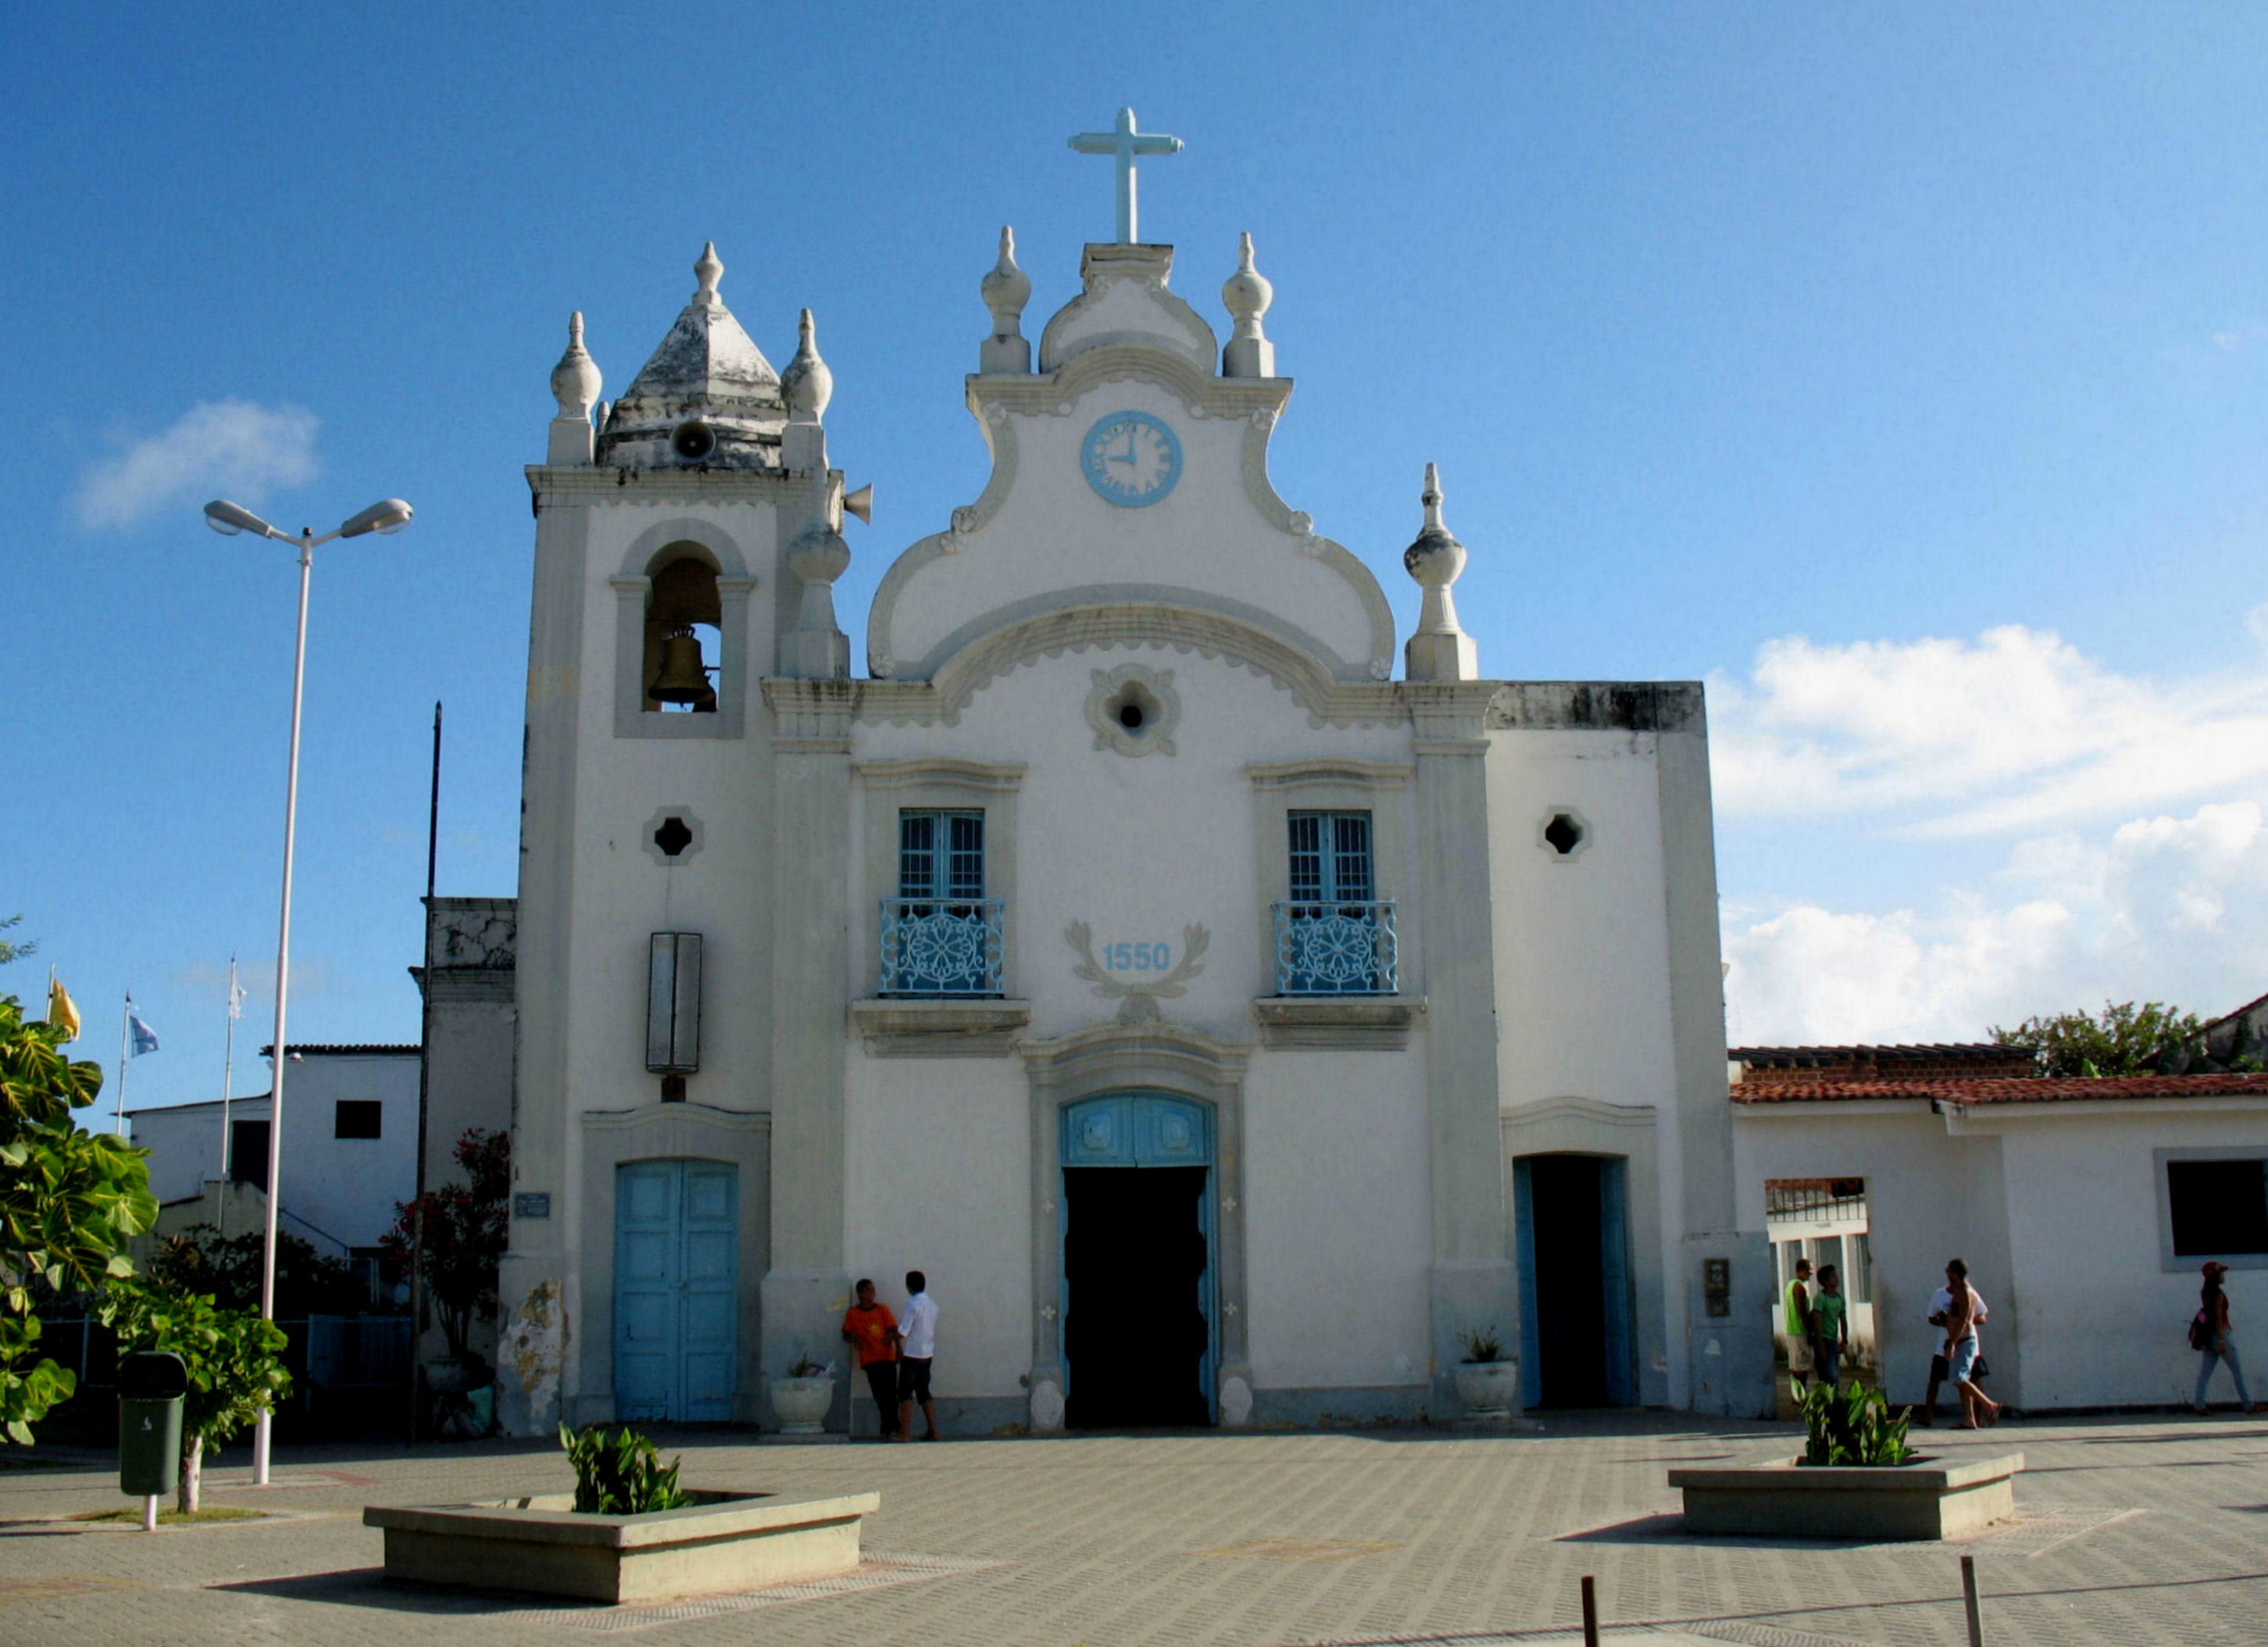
367, 1587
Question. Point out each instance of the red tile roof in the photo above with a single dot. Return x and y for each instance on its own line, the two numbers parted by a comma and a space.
2033, 1090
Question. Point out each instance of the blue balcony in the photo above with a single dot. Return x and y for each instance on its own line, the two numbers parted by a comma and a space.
948, 947
1336, 948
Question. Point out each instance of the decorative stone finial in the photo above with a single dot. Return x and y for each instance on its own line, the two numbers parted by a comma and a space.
1248, 295
1006, 290
1440, 650
816, 648
708, 271
807, 383
575, 380
574, 385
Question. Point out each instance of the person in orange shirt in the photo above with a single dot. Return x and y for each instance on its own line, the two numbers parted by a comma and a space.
870, 1326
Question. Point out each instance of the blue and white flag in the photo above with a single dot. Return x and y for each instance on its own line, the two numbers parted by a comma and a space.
144, 1038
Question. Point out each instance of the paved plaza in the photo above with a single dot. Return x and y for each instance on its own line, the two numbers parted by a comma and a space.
2130, 1531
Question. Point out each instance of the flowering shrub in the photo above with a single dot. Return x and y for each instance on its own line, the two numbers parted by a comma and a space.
466, 1225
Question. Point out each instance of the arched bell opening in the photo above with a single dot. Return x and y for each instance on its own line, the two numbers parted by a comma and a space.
684, 618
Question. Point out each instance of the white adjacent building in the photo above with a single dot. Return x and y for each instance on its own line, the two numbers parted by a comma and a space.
349, 1156
1229, 1002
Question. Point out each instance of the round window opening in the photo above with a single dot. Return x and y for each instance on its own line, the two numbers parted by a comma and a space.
1563, 833
1134, 706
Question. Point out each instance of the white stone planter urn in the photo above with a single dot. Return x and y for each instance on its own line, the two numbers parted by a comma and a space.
801, 1404
1489, 1389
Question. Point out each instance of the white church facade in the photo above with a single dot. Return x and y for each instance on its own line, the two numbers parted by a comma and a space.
1229, 1004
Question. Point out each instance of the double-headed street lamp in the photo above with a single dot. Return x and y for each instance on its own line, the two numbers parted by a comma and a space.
389, 515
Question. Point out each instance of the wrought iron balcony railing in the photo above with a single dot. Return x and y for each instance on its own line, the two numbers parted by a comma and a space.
941, 946
1336, 948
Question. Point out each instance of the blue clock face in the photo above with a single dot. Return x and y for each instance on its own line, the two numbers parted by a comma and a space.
1132, 459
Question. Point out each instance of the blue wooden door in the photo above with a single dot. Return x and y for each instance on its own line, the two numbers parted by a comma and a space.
1531, 1325
1614, 1280
676, 1298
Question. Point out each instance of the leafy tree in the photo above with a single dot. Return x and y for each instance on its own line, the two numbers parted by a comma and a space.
466, 1226
15, 951
201, 1259
234, 1360
2123, 1039
68, 1202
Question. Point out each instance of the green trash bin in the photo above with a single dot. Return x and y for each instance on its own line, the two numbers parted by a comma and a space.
150, 1386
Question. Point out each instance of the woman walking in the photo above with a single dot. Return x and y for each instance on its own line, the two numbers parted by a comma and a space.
2209, 1332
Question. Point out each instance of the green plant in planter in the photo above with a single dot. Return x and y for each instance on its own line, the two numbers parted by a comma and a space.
1481, 1344
1852, 1426
621, 1476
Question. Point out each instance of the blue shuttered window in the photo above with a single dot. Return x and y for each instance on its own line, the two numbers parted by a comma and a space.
1334, 935
941, 935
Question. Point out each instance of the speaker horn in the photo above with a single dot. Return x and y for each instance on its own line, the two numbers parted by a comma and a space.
861, 503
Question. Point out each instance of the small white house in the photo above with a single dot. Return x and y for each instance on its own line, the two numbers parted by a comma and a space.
2085, 1210
350, 1145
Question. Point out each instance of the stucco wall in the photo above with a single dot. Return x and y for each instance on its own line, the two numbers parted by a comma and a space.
2105, 1313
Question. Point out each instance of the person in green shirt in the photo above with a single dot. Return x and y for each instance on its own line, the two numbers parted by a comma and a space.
1799, 1326
1830, 1317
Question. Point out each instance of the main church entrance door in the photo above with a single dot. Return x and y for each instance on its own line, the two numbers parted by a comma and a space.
1139, 1333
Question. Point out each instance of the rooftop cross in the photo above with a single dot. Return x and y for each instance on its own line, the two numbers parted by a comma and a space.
1125, 143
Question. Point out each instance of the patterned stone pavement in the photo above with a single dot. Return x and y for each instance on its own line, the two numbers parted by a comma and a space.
2131, 1532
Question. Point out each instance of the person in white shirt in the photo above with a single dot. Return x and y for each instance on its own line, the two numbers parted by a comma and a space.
1941, 1305
917, 1346
1961, 1348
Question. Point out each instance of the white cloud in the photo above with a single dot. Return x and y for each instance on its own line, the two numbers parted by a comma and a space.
233, 448
2160, 908
2014, 730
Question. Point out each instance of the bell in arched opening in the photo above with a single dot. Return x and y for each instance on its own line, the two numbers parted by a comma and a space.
683, 640
682, 678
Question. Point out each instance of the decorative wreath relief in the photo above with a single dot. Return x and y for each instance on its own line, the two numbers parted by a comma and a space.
1134, 710
1138, 1002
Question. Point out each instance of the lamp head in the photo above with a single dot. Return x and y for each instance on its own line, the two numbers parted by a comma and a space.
228, 520
386, 516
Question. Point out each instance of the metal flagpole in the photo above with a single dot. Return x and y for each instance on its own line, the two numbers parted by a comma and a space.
424, 1076
261, 1430
125, 1037
227, 1080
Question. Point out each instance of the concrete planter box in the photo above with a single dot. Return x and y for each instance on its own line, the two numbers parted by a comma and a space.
1928, 1498
722, 1542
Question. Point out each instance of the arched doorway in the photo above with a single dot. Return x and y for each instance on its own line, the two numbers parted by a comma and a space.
677, 1263
1140, 1333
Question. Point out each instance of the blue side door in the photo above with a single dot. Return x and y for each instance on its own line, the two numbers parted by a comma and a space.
676, 1328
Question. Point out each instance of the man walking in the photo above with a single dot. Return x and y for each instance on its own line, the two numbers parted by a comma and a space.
1940, 1303
1798, 1327
916, 1348
1961, 1347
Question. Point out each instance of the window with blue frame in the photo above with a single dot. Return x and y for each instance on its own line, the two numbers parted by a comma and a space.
941, 935
1334, 935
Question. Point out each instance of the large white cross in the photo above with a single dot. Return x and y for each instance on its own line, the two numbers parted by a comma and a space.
1125, 143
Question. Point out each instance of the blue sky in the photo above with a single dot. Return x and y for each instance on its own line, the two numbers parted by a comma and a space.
1906, 377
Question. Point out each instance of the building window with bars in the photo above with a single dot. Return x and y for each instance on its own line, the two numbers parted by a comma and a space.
941, 935
1334, 935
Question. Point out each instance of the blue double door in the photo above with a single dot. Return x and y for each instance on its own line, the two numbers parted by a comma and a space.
677, 1231
1141, 1340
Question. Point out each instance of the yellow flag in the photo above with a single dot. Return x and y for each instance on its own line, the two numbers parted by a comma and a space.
62, 1013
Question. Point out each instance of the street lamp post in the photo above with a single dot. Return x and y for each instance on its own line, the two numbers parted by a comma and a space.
386, 516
